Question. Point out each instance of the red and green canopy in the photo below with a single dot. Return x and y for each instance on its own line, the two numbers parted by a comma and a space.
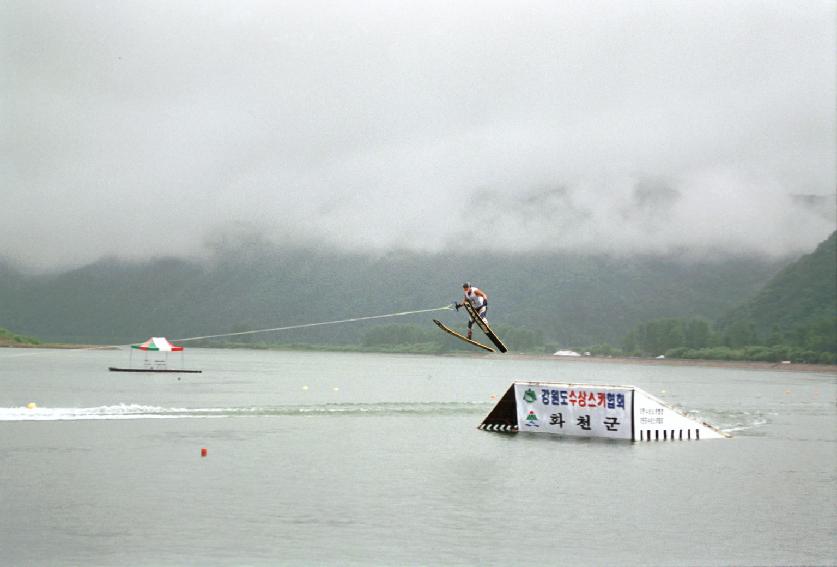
158, 344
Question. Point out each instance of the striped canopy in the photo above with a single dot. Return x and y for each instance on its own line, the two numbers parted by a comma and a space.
158, 343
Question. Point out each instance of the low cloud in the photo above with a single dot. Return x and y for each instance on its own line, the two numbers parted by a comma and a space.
145, 129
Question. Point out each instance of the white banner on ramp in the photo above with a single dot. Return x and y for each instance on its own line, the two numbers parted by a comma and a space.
575, 409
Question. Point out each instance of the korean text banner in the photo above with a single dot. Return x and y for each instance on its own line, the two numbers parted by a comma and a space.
577, 410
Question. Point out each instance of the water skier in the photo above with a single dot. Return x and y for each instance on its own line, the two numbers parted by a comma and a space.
478, 299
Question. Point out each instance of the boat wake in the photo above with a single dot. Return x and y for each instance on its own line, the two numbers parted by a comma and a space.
733, 421
137, 411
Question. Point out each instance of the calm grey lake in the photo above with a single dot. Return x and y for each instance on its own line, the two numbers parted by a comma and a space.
365, 459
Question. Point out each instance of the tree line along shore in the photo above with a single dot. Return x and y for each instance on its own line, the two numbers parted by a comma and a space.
731, 309
412, 339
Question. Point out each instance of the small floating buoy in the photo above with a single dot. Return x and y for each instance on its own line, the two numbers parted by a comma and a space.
31, 405
336, 389
203, 451
305, 387
493, 397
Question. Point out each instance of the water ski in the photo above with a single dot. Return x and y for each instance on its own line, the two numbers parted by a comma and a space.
484, 326
461, 337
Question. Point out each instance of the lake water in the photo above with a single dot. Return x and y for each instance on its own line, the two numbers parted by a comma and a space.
363, 459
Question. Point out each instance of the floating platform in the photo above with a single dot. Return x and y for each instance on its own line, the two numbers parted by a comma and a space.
591, 410
181, 371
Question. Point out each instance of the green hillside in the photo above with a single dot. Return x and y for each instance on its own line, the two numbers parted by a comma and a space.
800, 295
8, 338
566, 299
793, 317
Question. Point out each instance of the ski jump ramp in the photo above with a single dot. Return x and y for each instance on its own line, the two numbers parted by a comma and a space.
592, 410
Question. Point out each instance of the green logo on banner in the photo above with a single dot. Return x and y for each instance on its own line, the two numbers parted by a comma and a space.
530, 396
532, 419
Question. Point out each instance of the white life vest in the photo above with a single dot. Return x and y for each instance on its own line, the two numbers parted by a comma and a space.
473, 298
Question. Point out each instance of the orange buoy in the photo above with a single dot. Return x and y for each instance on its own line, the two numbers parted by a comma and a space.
203, 452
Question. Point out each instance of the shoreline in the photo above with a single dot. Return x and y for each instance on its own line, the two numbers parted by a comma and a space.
59, 346
705, 363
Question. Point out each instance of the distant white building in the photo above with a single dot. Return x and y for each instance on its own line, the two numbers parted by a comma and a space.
566, 353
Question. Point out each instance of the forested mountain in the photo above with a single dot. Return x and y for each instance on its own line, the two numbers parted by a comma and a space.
792, 317
570, 299
803, 293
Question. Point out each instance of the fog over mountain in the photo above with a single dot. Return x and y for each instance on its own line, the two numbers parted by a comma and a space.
147, 128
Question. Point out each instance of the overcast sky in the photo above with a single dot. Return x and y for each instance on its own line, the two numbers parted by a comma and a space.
143, 128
